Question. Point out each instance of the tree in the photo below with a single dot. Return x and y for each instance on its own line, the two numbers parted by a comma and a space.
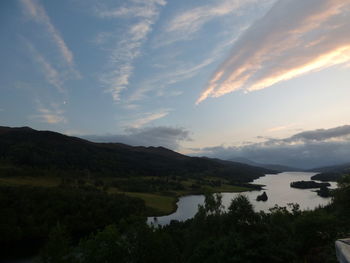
104, 247
241, 210
57, 249
213, 204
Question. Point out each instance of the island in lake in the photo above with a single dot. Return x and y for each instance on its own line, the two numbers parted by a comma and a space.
308, 184
263, 197
323, 187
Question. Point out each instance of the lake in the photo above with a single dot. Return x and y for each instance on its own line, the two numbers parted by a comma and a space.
277, 188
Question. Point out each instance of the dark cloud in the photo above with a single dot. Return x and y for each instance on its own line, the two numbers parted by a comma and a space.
168, 137
307, 149
321, 134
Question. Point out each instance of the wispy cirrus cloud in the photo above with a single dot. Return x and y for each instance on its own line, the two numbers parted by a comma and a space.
165, 79
51, 114
34, 10
277, 128
128, 47
186, 24
193, 19
146, 118
281, 128
295, 37
51, 74
176, 74
146, 10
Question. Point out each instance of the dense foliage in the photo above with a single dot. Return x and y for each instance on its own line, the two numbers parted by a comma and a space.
331, 173
308, 184
27, 214
79, 222
50, 150
214, 235
328, 176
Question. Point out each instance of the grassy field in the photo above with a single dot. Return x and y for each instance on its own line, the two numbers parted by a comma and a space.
40, 181
162, 203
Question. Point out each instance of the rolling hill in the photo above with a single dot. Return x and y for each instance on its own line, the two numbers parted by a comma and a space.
276, 167
331, 173
51, 150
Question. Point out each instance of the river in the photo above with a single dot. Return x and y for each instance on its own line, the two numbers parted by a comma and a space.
277, 187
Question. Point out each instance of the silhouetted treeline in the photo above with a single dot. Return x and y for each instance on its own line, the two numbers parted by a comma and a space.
213, 235
328, 176
331, 173
308, 184
27, 214
26, 147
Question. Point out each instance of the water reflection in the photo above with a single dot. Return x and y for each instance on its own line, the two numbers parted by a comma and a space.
277, 187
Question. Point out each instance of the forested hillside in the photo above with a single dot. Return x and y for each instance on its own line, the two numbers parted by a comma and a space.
47, 178
51, 150
331, 173
213, 235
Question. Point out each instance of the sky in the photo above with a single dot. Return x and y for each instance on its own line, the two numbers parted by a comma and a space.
222, 78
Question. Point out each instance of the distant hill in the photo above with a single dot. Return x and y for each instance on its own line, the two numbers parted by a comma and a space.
51, 150
331, 173
276, 167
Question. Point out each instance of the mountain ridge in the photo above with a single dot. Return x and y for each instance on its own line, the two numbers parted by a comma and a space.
277, 167
331, 173
47, 149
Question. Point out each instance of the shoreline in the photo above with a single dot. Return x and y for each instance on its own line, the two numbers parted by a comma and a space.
248, 192
177, 198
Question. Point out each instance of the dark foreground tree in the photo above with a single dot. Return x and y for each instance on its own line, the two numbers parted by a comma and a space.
285, 234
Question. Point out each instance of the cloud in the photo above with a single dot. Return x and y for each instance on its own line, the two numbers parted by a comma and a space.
102, 38
295, 37
278, 128
168, 137
128, 46
182, 72
51, 114
307, 149
185, 24
34, 10
147, 118
51, 74
168, 78
143, 11
338, 133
